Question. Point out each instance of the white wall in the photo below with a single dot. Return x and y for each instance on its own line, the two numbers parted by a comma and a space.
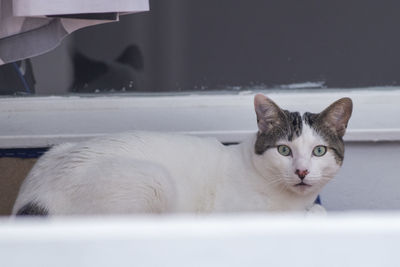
368, 180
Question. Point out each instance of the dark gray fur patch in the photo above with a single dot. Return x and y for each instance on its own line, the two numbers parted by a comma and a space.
335, 142
290, 127
32, 209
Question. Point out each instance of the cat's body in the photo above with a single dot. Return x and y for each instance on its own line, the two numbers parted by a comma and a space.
143, 172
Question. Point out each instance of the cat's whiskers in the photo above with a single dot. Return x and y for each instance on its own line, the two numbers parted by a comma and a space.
274, 181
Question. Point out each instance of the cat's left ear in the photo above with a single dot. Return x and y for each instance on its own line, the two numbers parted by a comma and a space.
337, 115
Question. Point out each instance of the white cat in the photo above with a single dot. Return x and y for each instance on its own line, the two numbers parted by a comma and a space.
281, 168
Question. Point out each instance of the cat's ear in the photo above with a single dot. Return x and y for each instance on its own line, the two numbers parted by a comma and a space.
337, 115
269, 114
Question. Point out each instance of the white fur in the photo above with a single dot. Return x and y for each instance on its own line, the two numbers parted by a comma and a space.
143, 172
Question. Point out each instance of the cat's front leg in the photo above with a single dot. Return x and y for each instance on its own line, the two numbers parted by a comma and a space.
316, 209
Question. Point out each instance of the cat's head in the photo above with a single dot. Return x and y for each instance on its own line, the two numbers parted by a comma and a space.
300, 153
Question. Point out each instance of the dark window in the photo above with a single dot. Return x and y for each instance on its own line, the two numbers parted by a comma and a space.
186, 45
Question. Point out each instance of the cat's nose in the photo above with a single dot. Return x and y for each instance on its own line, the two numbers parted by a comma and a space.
301, 173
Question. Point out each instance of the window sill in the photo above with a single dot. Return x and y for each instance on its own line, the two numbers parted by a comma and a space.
45, 121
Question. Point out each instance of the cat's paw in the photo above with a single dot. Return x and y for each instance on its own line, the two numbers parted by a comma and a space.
316, 209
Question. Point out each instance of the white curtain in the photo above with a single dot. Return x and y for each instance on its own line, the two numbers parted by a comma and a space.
33, 27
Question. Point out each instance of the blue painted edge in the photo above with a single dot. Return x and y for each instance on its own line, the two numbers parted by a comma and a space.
318, 200
24, 153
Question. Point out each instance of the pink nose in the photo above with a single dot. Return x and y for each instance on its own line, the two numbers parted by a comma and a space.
301, 173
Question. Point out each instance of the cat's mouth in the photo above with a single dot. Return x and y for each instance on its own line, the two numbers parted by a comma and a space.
302, 184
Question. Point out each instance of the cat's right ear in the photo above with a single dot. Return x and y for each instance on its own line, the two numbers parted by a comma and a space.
269, 114
337, 115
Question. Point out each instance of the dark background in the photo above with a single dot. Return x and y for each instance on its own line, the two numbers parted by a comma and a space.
230, 44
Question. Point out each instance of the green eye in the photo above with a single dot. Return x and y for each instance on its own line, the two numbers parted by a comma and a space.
284, 150
319, 151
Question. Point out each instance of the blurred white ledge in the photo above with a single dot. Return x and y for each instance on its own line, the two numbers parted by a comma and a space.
350, 239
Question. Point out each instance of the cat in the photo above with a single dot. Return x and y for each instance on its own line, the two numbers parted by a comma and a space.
282, 167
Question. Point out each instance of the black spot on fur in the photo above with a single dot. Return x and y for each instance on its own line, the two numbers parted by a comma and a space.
32, 209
